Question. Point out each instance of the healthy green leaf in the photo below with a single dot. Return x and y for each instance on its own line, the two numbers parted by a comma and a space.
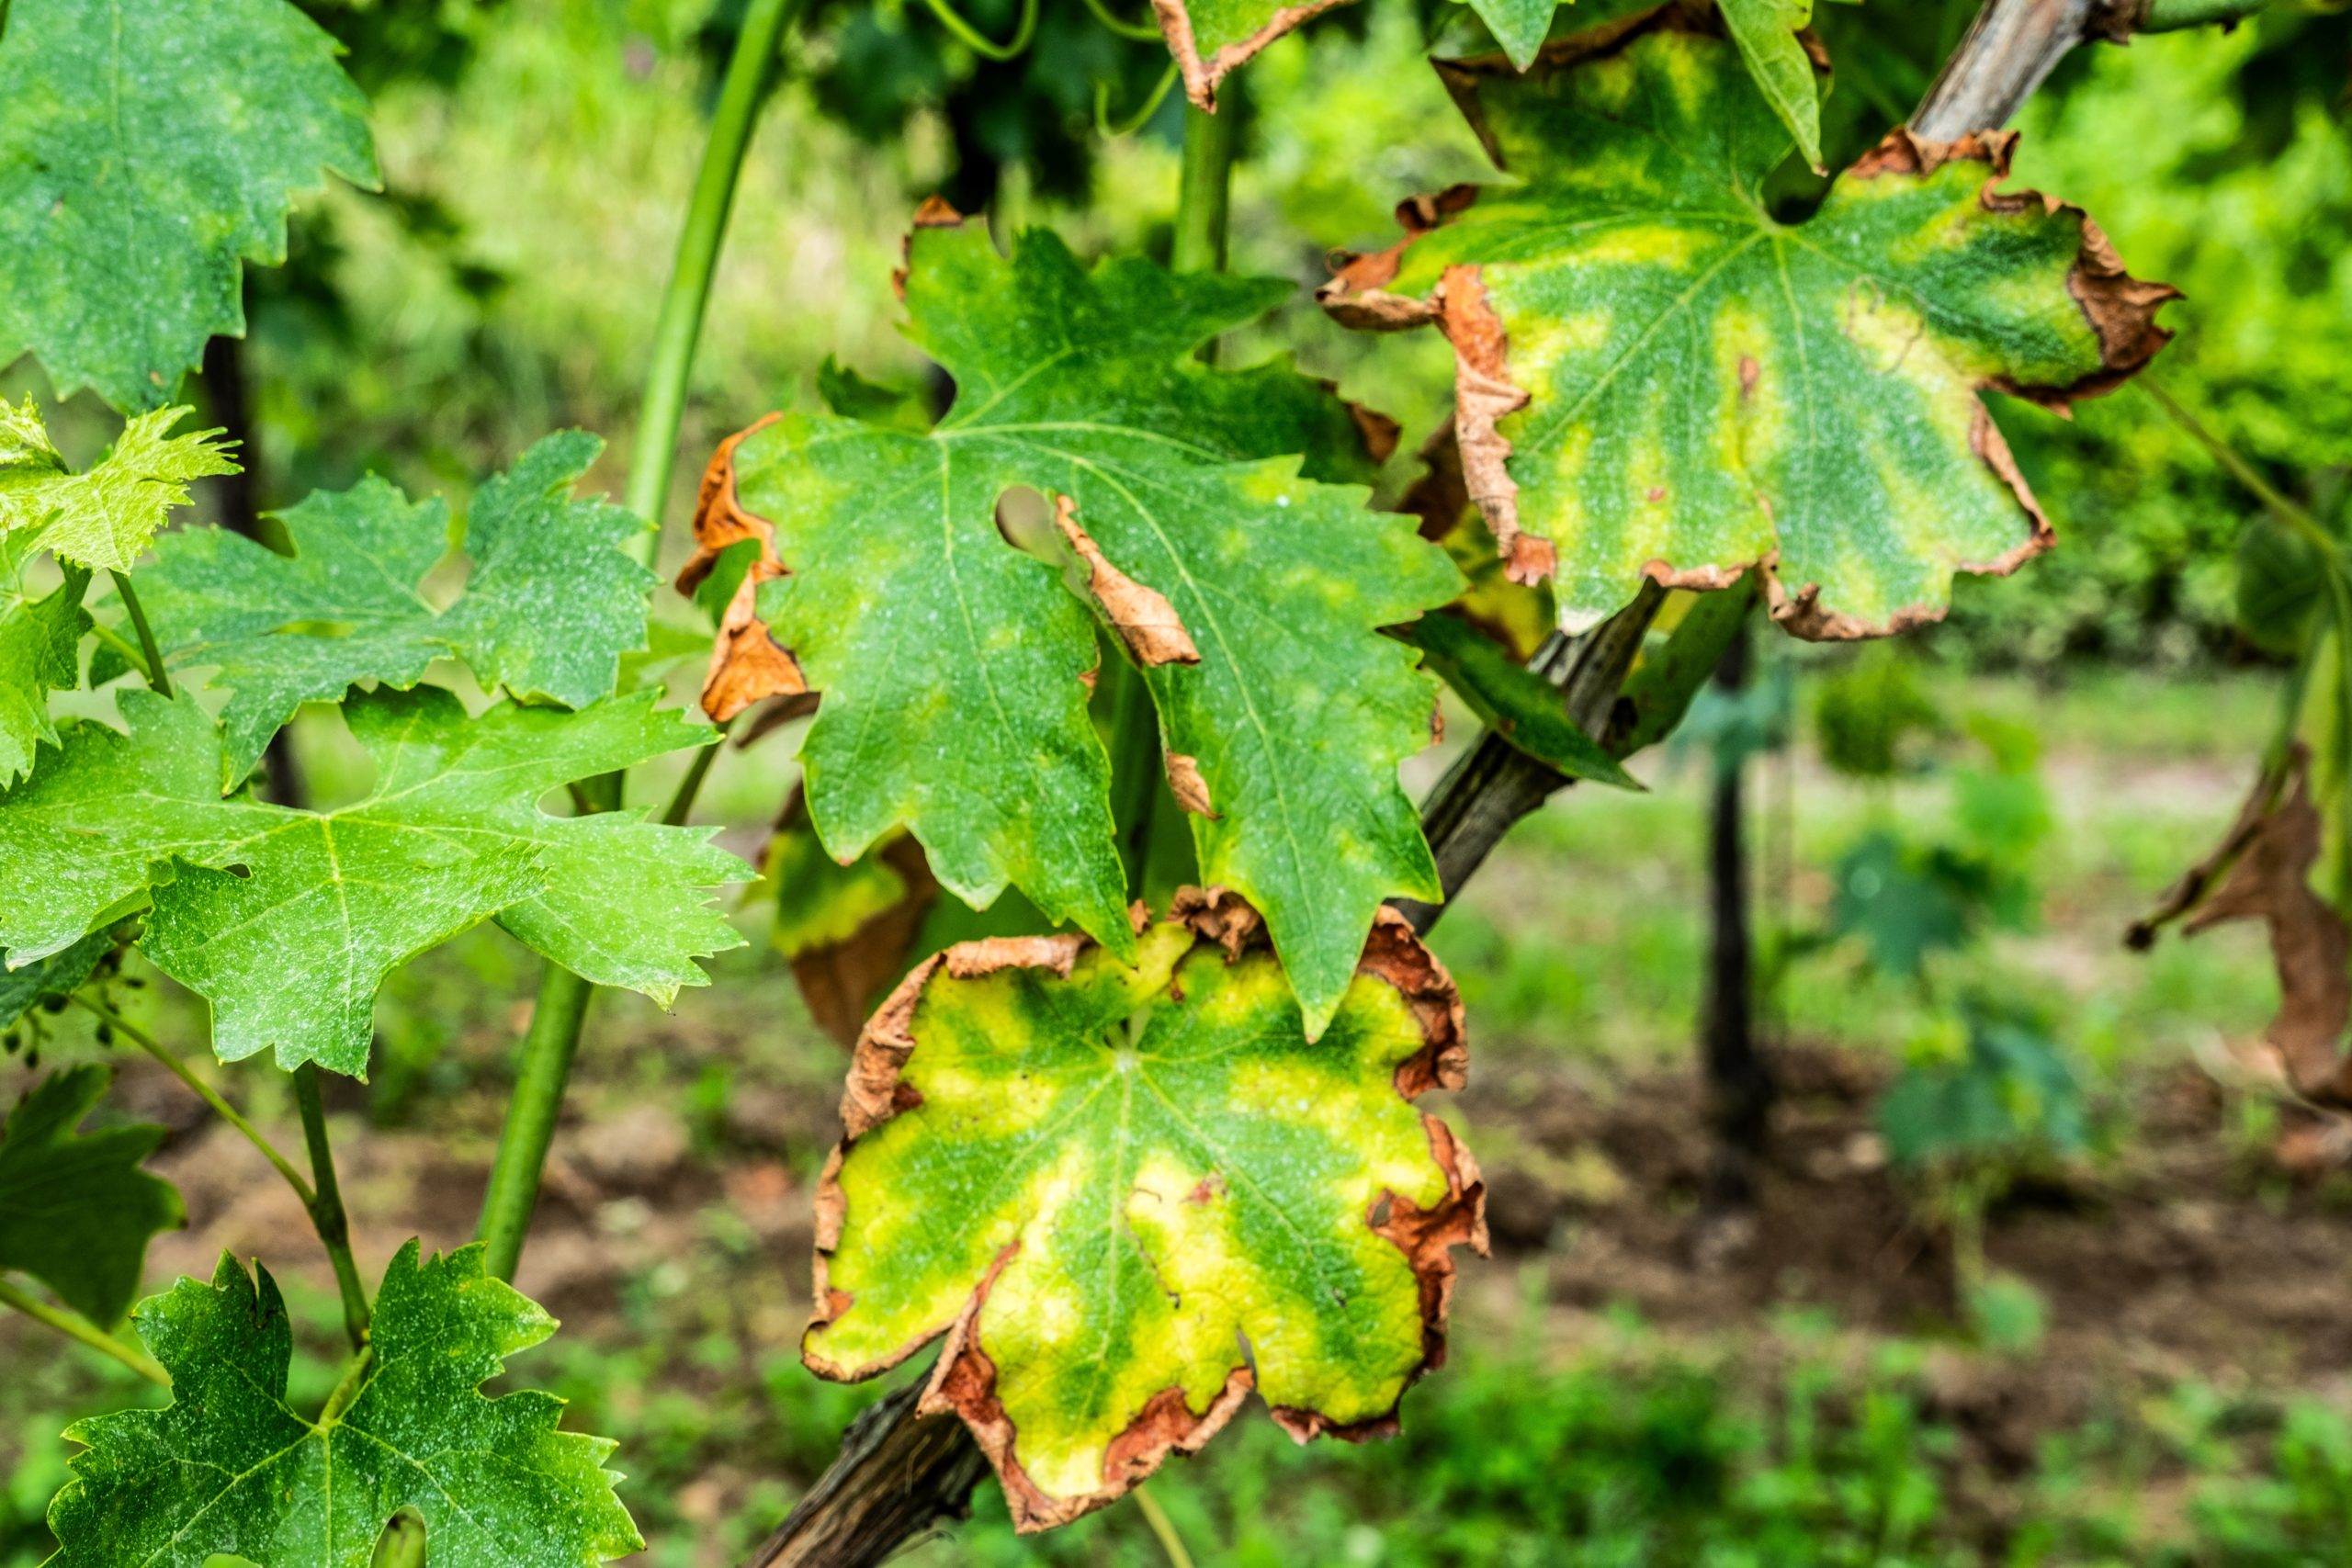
230, 1468
554, 598
279, 631
40, 647
1766, 32
59, 975
954, 666
1513, 701
289, 920
550, 608
76, 1210
1656, 376
1130, 1195
1520, 26
104, 518
146, 148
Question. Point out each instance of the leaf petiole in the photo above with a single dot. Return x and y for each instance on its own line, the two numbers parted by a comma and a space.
74, 1325
1164, 1528
130, 655
326, 1208
156, 675
203, 1090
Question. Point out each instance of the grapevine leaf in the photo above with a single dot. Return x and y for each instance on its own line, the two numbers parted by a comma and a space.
1520, 617
1674, 667
1782, 67
1520, 26
289, 920
552, 605
1656, 376
76, 1210
40, 645
1129, 1195
103, 518
555, 598
1513, 701
2262, 871
955, 666
59, 975
230, 1468
1211, 38
147, 147
279, 631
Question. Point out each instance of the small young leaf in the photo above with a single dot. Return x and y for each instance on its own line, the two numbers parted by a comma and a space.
104, 518
289, 920
551, 607
1513, 701
40, 646
146, 148
1099, 1181
228, 1467
1656, 376
954, 666
1766, 32
76, 1210
1520, 26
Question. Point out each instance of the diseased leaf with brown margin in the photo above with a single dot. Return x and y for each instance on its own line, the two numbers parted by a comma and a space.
1127, 1196
2261, 871
746, 663
1516, 615
1211, 37
1248, 591
1656, 377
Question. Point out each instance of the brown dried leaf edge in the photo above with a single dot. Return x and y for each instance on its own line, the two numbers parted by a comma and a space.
2120, 308
1202, 76
2263, 867
964, 1380
840, 980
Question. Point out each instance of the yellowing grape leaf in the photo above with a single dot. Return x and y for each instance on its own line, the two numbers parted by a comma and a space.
1128, 1194
955, 667
230, 1468
104, 517
147, 147
1656, 376
287, 921
551, 605
76, 1210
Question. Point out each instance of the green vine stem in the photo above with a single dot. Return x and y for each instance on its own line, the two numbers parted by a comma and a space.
74, 1325
326, 1208
1204, 183
971, 38
203, 1090
2294, 517
130, 654
1164, 1528
156, 676
553, 1039
678, 330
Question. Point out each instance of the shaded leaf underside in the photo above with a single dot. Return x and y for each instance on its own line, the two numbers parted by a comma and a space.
76, 1210
1656, 376
1107, 1178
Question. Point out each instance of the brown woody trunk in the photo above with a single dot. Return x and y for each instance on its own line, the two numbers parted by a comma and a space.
1740, 1085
